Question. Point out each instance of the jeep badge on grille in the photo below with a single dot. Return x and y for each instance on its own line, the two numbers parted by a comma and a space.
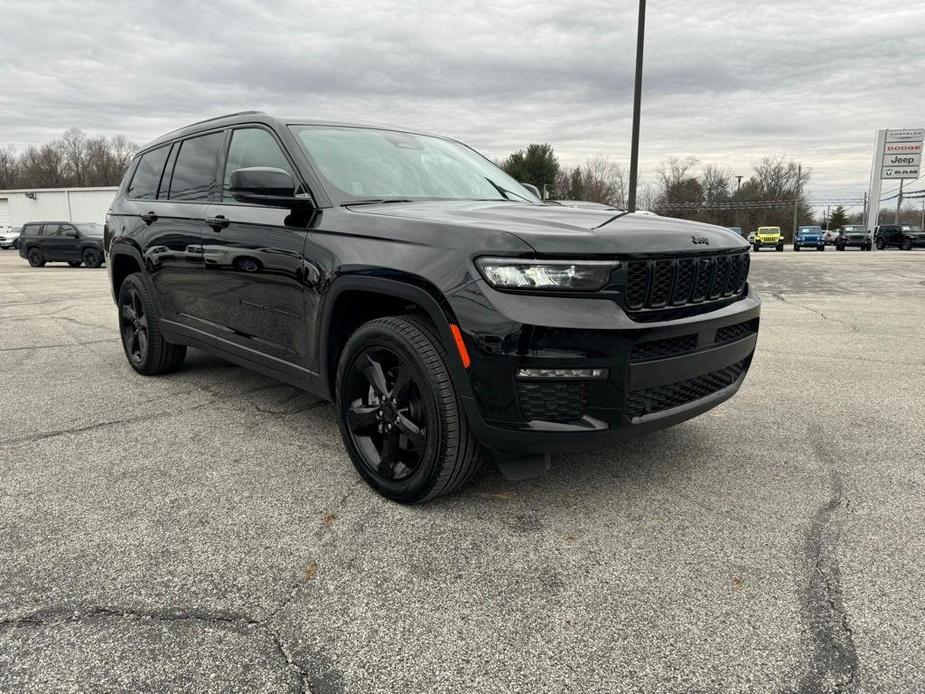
700, 240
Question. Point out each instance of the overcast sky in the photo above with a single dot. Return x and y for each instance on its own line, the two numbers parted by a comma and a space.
726, 82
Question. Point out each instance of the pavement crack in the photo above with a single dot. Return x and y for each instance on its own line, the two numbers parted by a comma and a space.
35, 438
780, 297
834, 663
63, 345
237, 621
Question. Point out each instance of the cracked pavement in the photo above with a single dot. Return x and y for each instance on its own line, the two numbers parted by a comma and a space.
205, 531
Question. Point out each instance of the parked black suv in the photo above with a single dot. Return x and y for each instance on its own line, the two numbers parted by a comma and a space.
887, 235
76, 244
853, 236
438, 302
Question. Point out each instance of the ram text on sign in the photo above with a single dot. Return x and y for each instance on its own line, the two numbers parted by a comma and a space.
905, 135
900, 172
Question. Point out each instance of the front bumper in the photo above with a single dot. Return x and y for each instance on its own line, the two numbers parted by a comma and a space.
658, 373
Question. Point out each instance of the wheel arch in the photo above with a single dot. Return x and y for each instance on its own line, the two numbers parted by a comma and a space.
123, 261
353, 300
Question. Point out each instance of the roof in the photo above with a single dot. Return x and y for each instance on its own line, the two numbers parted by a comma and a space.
261, 117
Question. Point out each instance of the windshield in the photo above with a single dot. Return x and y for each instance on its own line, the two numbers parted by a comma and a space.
769, 230
91, 229
366, 164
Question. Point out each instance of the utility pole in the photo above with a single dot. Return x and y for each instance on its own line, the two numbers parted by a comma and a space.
825, 218
899, 200
796, 201
923, 214
738, 182
637, 106
865, 209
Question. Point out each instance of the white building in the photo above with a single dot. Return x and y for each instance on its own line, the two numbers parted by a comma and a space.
55, 204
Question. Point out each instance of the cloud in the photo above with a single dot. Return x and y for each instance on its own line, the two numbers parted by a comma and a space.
725, 82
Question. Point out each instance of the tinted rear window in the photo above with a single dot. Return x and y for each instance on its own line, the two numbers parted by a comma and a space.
194, 172
148, 174
31, 229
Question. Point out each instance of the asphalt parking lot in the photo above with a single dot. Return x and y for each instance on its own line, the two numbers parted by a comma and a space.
206, 532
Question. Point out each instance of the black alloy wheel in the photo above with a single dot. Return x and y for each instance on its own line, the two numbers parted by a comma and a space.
92, 258
134, 326
386, 414
400, 416
35, 258
145, 347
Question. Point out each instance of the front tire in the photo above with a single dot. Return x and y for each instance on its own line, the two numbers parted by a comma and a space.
780, 248
796, 247
35, 257
92, 257
145, 347
400, 416
881, 244
74, 263
907, 244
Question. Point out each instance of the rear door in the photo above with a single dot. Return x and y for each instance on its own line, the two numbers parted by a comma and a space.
172, 246
254, 265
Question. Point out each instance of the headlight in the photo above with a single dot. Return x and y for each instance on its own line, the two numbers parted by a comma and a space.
568, 275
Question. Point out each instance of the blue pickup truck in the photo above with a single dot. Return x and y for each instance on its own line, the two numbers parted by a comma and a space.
809, 237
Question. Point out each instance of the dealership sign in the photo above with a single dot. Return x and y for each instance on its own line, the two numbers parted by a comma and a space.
901, 153
897, 157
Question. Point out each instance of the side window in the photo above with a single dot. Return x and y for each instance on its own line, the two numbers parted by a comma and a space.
64, 228
148, 174
252, 147
31, 230
194, 172
51, 229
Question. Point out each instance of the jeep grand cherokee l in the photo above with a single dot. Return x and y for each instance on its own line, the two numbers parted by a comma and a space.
442, 306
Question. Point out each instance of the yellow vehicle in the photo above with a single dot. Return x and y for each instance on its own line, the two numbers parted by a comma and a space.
768, 237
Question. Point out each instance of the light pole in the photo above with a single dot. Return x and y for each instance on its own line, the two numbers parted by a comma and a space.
637, 104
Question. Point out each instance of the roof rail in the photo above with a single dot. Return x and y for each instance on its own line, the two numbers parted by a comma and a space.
207, 120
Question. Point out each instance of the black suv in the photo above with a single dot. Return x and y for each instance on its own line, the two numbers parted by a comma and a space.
887, 235
437, 302
74, 243
853, 236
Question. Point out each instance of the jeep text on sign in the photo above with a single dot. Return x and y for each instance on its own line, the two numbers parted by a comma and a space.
902, 160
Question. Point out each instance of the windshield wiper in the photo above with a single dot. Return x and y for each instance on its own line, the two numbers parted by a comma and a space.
376, 201
503, 192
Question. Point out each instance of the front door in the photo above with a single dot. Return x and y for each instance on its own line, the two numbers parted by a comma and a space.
254, 263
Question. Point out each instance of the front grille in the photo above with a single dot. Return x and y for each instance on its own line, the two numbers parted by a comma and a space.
649, 400
553, 401
667, 347
663, 282
737, 331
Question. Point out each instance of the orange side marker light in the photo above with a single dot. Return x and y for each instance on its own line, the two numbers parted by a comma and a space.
460, 345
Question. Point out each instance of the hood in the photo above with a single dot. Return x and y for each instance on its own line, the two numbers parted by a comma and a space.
554, 229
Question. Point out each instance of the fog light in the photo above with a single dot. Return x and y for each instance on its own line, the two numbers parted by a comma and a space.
562, 373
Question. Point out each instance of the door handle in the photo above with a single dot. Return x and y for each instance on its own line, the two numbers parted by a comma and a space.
218, 223
149, 217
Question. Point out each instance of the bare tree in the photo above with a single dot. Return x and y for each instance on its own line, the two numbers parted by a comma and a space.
74, 160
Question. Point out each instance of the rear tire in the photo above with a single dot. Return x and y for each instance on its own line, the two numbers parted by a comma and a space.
142, 340
796, 247
92, 257
400, 416
35, 257
820, 248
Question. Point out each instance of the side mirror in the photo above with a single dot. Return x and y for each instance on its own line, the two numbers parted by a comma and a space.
533, 189
265, 185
